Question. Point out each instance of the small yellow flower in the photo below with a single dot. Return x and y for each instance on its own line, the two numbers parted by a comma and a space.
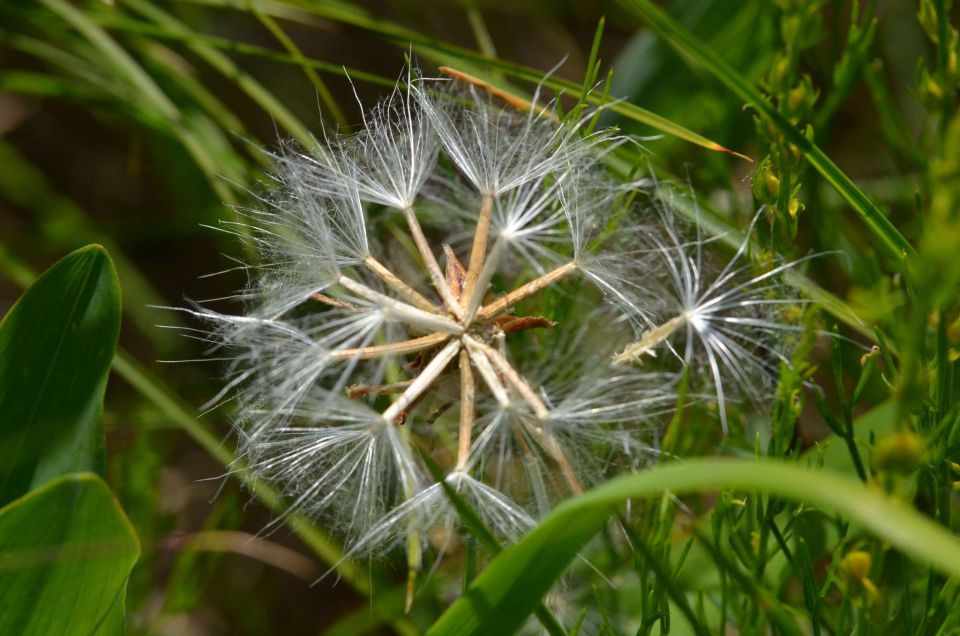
901, 452
855, 570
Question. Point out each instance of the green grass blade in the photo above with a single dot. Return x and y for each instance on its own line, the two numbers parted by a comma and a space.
448, 54
115, 54
124, 25
693, 49
318, 84
510, 588
226, 67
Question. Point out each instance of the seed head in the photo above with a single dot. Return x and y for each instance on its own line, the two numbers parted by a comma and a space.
465, 280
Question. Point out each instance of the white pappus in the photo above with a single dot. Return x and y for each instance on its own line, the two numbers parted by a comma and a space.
512, 364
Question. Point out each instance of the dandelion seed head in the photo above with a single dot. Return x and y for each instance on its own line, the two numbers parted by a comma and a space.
464, 280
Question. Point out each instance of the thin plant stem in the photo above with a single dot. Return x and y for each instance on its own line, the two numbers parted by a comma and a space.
408, 313
511, 376
489, 376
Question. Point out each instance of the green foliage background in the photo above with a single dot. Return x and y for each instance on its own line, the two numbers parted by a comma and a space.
135, 123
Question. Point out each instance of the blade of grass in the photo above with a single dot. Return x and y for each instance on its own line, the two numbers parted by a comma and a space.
46, 85
448, 54
321, 87
226, 67
171, 68
776, 612
508, 590
143, 91
125, 25
693, 49
660, 569
82, 80
115, 55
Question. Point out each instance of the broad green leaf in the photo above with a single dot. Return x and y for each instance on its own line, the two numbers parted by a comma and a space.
56, 345
511, 587
66, 550
693, 49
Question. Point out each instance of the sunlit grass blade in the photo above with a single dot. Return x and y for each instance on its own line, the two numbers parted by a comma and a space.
691, 48
125, 25
448, 54
509, 589
474, 524
225, 66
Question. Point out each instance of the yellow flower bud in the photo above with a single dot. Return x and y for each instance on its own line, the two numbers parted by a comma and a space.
794, 207
856, 565
855, 570
901, 452
795, 97
772, 183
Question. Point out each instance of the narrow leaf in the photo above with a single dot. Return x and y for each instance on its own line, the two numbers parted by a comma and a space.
510, 588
